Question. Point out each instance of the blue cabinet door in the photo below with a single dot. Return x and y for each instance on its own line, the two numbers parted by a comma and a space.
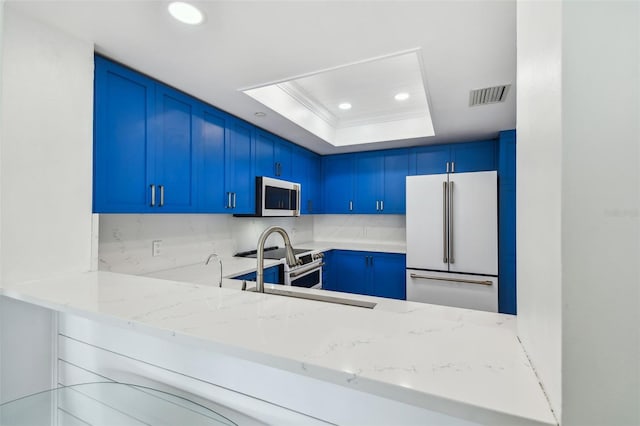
283, 156
212, 135
388, 275
239, 177
123, 149
305, 169
174, 151
474, 156
327, 275
430, 160
264, 154
337, 177
314, 198
349, 272
396, 169
369, 174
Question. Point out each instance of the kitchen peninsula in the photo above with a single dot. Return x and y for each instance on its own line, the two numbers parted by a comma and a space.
425, 362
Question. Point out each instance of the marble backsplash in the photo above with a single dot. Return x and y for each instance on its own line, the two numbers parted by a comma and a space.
125, 240
360, 228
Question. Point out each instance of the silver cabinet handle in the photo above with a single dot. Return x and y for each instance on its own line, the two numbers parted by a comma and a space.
381, 205
453, 280
234, 200
350, 205
445, 250
447, 167
451, 259
228, 205
377, 205
153, 195
453, 167
161, 195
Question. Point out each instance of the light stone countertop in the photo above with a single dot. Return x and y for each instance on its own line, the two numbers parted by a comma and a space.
460, 362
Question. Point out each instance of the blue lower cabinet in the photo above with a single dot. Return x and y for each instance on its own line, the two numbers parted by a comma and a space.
368, 273
272, 275
349, 272
388, 275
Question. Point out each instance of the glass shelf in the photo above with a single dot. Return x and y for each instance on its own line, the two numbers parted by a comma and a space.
107, 404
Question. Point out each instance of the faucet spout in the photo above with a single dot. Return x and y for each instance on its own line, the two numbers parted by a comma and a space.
215, 256
289, 256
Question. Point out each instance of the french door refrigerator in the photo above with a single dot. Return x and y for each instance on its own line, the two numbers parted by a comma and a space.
452, 240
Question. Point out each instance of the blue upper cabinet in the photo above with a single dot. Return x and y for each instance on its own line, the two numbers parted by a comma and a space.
368, 183
377, 182
123, 147
240, 180
283, 157
305, 169
396, 169
212, 133
474, 156
273, 156
338, 183
145, 144
265, 164
175, 151
457, 158
430, 160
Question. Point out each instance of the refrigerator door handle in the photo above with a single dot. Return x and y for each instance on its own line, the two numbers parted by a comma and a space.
451, 259
453, 280
444, 222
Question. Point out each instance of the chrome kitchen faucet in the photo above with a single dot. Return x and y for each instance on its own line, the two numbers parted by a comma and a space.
289, 256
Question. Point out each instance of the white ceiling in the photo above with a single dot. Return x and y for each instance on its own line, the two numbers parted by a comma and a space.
313, 101
464, 45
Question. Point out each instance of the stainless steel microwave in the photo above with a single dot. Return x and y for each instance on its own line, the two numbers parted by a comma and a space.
276, 197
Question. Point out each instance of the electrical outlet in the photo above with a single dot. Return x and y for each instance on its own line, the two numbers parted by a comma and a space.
155, 247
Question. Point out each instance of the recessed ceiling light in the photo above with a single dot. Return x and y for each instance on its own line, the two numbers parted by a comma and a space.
186, 13
402, 96
345, 105
259, 114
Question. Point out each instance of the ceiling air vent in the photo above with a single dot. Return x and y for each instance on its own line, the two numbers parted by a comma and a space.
488, 95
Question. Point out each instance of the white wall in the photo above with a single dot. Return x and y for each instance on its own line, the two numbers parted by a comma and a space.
601, 213
45, 151
45, 184
539, 168
578, 205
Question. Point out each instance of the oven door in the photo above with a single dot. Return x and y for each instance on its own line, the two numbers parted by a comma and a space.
308, 276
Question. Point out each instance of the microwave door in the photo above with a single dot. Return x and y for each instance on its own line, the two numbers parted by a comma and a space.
277, 198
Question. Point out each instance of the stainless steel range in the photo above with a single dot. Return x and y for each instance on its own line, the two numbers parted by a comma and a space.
308, 272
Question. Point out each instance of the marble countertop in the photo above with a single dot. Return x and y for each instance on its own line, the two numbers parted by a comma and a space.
465, 363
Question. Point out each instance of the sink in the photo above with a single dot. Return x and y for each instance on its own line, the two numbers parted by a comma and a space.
319, 297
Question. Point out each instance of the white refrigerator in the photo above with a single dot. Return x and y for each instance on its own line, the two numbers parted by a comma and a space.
452, 240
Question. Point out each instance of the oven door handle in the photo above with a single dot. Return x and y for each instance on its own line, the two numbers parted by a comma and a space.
299, 272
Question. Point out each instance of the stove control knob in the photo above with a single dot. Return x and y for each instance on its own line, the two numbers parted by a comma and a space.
317, 256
